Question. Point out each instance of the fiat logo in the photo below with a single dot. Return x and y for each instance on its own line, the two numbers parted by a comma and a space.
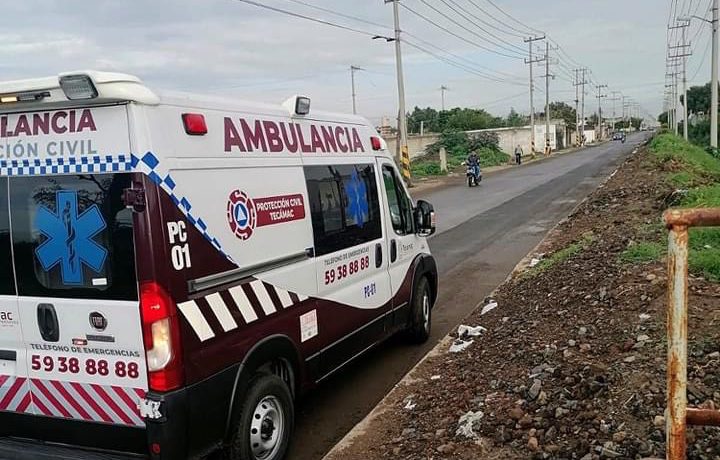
98, 321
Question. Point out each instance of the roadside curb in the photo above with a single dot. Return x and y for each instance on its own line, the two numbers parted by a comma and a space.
443, 344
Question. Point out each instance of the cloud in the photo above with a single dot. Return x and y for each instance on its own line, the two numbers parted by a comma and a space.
228, 47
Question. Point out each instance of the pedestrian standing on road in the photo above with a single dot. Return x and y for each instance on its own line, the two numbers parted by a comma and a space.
518, 154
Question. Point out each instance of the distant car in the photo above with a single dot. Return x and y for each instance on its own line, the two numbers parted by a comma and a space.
618, 136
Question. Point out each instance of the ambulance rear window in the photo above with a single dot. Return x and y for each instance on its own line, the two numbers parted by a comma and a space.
7, 277
344, 206
73, 237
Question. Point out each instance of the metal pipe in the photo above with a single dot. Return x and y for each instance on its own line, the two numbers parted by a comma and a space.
709, 417
700, 217
677, 343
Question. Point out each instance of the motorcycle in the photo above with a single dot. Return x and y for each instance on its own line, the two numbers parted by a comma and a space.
473, 179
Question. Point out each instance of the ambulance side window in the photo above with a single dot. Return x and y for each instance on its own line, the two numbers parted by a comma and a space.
344, 206
7, 277
399, 203
73, 237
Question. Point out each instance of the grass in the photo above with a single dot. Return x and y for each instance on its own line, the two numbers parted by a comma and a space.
698, 171
429, 166
691, 164
643, 252
560, 255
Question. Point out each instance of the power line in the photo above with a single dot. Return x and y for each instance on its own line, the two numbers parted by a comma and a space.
499, 73
307, 18
445, 29
453, 21
473, 15
517, 21
337, 13
459, 65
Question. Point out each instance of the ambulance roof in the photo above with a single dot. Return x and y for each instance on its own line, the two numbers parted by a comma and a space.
111, 87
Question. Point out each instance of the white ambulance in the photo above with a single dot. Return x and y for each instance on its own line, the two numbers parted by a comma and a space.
177, 271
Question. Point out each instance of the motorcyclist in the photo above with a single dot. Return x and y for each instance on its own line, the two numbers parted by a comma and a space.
473, 161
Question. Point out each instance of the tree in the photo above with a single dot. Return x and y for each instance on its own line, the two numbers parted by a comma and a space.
428, 116
514, 119
564, 111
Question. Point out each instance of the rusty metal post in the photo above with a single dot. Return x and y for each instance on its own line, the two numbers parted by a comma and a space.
677, 343
677, 414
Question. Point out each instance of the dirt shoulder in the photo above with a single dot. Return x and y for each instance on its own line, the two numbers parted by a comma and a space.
571, 363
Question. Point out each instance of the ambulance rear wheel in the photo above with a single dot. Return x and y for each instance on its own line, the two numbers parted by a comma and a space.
266, 421
420, 312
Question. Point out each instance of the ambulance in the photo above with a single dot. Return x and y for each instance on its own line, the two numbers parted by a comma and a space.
177, 270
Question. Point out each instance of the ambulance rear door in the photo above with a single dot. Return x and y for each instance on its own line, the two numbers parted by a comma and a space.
74, 264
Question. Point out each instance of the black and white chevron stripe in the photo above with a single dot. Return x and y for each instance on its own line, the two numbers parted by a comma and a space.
236, 306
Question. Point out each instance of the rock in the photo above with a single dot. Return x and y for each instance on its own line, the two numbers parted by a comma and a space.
550, 433
659, 421
582, 330
644, 298
448, 448
571, 343
651, 277
533, 444
629, 359
567, 353
516, 413
604, 427
714, 355
643, 338
602, 294
619, 437
407, 432
440, 433
396, 451
542, 398
525, 422
628, 345
609, 450
585, 347
587, 457
468, 423
559, 412
534, 390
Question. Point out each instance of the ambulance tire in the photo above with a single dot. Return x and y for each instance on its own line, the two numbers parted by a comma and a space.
420, 312
268, 406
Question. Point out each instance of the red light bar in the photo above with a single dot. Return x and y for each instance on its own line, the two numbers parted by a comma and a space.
194, 124
376, 143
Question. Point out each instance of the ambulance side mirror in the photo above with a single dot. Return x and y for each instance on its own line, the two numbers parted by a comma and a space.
424, 218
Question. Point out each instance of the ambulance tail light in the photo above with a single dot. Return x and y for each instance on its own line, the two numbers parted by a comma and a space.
78, 87
161, 337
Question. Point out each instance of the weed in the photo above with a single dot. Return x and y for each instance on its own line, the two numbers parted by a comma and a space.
643, 252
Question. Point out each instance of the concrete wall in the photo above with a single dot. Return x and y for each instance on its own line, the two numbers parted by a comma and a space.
416, 144
508, 139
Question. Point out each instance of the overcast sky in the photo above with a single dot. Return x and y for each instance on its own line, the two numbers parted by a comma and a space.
229, 47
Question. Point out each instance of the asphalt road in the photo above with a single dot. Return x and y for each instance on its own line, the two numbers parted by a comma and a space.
482, 234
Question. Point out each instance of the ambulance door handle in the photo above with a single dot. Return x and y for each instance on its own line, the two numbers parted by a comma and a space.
378, 255
48, 322
393, 250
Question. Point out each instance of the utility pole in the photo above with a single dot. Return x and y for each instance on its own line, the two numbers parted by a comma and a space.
714, 82
614, 99
530, 61
548, 76
352, 79
582, 103
682, 54
599, 118
576, 84
626, 105
443, 88
404, 157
